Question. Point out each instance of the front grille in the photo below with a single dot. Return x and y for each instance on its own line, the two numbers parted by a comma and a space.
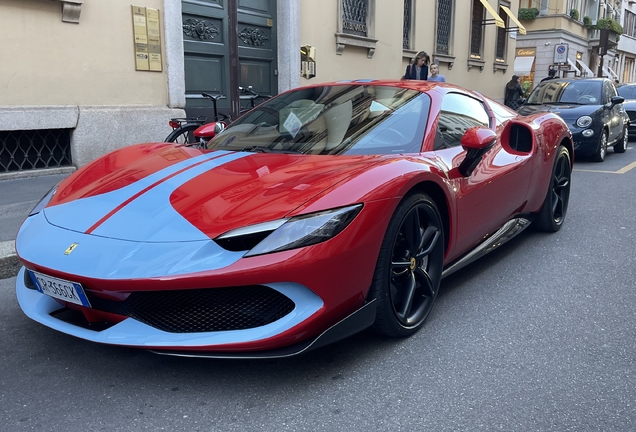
201, 310
632, 115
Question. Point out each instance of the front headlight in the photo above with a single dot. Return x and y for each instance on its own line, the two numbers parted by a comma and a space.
44, 201
584, 121
297, 232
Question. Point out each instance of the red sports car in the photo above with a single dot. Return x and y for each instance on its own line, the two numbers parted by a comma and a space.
323, 211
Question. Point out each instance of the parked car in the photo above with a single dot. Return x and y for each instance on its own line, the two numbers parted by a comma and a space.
591, 108
628, 91
323, 211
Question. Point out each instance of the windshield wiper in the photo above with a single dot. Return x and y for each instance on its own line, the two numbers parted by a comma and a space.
261, 149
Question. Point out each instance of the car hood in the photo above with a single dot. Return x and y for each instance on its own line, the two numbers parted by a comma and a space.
629, 104
564, 111
173, 194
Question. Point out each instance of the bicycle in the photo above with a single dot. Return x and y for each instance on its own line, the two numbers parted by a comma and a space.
183, 127
252, 96
191, 131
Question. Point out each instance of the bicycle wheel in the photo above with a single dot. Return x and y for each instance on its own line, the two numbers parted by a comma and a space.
183, 134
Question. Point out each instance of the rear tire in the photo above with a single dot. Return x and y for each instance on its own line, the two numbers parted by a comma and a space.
555, 204
409, 268
183, 134
621, 146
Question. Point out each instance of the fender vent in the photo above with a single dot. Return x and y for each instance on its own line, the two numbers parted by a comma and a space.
520, 138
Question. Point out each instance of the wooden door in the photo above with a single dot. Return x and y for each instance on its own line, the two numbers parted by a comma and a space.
207, 50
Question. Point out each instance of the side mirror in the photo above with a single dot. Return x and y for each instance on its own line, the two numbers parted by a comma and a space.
476, 141
477, 138
617, 99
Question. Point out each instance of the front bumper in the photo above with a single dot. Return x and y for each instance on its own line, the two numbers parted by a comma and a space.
327, 282
131, 332
585, 145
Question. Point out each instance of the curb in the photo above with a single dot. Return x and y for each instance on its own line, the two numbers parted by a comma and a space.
9, 262
13, 175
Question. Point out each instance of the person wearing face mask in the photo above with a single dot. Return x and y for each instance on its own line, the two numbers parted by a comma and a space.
419, 69
435, 76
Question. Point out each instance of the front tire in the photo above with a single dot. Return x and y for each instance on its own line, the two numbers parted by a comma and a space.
621, 146
555, 205
409, 268
599, 156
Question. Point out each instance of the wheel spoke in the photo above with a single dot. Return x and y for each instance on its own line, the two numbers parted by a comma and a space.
412, 231
400, 265
425, 281
406, 295
429, 239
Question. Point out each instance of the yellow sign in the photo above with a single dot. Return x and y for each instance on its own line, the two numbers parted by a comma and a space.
147, 36
525, 52
154, 40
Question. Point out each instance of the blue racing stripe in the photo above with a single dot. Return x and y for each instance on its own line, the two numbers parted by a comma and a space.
81, 214
152, 218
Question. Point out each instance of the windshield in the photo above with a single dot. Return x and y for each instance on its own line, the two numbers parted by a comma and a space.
627, 91
583, 92
340, 119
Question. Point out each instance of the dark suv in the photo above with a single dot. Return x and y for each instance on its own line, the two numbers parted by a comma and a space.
592, 109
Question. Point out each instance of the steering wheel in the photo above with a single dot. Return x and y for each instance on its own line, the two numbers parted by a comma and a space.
586, 99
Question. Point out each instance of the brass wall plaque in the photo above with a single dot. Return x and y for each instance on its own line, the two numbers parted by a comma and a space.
147, 34
154, 39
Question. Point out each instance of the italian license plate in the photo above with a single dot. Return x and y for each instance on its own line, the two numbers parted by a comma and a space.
71, 292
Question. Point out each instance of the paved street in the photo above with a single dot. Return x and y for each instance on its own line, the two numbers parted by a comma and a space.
537, 336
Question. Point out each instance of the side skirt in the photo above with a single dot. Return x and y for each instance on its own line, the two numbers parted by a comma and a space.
503, 235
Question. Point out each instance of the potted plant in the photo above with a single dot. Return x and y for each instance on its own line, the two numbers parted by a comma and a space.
574, 14
527, 14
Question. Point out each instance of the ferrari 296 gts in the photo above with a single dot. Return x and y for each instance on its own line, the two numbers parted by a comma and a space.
323, 211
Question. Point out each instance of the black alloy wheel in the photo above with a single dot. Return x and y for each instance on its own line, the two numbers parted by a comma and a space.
599, 156
409, 267
555, 205
621, 145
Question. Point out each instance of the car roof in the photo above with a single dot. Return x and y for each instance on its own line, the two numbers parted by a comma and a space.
579, 79
420, 85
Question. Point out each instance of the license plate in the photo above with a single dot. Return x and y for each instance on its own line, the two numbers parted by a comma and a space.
71, 292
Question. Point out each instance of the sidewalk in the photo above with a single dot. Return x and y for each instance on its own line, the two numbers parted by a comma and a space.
9, 263
19, 192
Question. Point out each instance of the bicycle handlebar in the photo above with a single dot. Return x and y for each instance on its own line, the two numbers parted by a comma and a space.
214, 97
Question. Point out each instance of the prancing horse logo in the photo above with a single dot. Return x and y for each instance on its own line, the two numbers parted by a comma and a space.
70, 249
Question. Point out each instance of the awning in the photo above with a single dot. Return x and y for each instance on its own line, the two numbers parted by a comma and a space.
523, 65
612, 72
587, 71
609, 72
520, 28
493, 13
573, 66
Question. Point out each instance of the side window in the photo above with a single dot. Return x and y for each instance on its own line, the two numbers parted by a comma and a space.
458, 114
502, 113
611, 91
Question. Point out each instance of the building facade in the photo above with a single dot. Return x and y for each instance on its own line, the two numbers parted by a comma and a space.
473, 41
86, 77
564, 34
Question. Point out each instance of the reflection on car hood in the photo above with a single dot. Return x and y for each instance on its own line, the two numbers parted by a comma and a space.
194, 196
564, 111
